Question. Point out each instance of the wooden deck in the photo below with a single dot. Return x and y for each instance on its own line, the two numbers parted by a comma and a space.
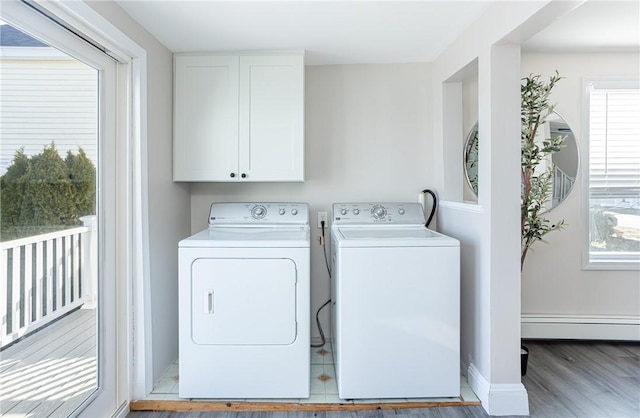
51, 372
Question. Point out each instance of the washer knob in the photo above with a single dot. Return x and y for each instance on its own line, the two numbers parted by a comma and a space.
294, 212
343, 211
356, 211
401, 211
282, 211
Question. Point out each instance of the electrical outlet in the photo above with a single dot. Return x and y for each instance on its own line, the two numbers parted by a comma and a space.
322, 216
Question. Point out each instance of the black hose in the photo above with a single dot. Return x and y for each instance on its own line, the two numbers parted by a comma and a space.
326, 261
433, 208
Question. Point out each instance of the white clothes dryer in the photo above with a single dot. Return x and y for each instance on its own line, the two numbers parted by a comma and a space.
244, 303
396, 303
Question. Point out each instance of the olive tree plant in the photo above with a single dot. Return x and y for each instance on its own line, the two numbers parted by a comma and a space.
536, 168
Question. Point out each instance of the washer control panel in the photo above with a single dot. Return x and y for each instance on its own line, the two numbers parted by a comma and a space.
378, 213
232, 213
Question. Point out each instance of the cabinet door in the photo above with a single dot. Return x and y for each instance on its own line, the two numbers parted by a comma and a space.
272, 118
205, 118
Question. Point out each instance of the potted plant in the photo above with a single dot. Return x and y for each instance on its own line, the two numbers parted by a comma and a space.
536, 169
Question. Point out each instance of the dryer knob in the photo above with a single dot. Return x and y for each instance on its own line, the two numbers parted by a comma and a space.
356, 211
401, 211
294, 212
378, 212
258, 212
343, 211
282, 211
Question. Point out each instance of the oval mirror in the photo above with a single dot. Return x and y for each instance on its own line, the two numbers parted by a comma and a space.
566, 161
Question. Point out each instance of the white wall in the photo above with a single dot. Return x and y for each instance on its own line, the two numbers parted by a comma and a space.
553, 281
488, 231
367, 139
168, 202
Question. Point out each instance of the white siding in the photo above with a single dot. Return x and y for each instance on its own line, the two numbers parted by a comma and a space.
45, 99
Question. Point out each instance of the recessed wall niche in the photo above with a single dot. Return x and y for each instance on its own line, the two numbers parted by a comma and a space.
460, 114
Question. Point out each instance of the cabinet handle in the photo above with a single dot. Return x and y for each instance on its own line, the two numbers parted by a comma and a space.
232, 175
243, 175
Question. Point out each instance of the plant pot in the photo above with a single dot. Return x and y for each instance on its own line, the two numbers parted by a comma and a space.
524, 359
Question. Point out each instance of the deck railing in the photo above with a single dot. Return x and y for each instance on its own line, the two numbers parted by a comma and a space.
44, 277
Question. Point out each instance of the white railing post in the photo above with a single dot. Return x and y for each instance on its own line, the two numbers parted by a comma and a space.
51, 264
40, 279
89, 261
28, 285
57, 267
15, 311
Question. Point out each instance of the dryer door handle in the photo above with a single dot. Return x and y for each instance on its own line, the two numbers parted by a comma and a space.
208, 302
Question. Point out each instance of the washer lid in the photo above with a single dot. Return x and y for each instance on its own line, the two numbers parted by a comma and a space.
384, 236
258, 236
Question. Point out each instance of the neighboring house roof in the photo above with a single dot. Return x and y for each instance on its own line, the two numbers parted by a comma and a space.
10, 36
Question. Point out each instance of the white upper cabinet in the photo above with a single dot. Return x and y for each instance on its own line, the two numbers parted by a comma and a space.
239, 118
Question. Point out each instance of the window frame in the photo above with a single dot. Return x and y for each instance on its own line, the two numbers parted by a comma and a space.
613, 261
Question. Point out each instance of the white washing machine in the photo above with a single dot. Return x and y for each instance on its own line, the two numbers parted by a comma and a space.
396, 303
244, 319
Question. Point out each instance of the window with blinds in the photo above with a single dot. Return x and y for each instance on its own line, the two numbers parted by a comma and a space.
614, 171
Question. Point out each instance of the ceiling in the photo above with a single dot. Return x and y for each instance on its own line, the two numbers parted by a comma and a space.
349, 32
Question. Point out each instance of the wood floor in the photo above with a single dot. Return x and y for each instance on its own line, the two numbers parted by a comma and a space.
584, 379
51, 372
564, 379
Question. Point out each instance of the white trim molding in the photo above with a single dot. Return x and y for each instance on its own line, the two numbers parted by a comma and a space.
461, 206
498, 398
581, 327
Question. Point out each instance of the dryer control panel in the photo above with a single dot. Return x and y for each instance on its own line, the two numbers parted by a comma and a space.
377, 213
259, 213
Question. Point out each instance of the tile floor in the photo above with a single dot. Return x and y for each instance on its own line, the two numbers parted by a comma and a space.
324, 388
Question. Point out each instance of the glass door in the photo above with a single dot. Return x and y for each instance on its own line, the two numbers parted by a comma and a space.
58, 220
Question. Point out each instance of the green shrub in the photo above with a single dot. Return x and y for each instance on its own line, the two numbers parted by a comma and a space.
44, 193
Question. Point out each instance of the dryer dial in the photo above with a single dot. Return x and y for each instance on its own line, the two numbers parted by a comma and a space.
379, 211
258, 212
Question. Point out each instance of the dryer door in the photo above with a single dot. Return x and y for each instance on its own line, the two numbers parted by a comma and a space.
243, 301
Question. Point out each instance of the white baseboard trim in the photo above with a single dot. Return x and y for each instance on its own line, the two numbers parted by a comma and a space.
499, 398
581, 327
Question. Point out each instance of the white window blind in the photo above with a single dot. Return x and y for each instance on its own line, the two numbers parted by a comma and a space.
614, 142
